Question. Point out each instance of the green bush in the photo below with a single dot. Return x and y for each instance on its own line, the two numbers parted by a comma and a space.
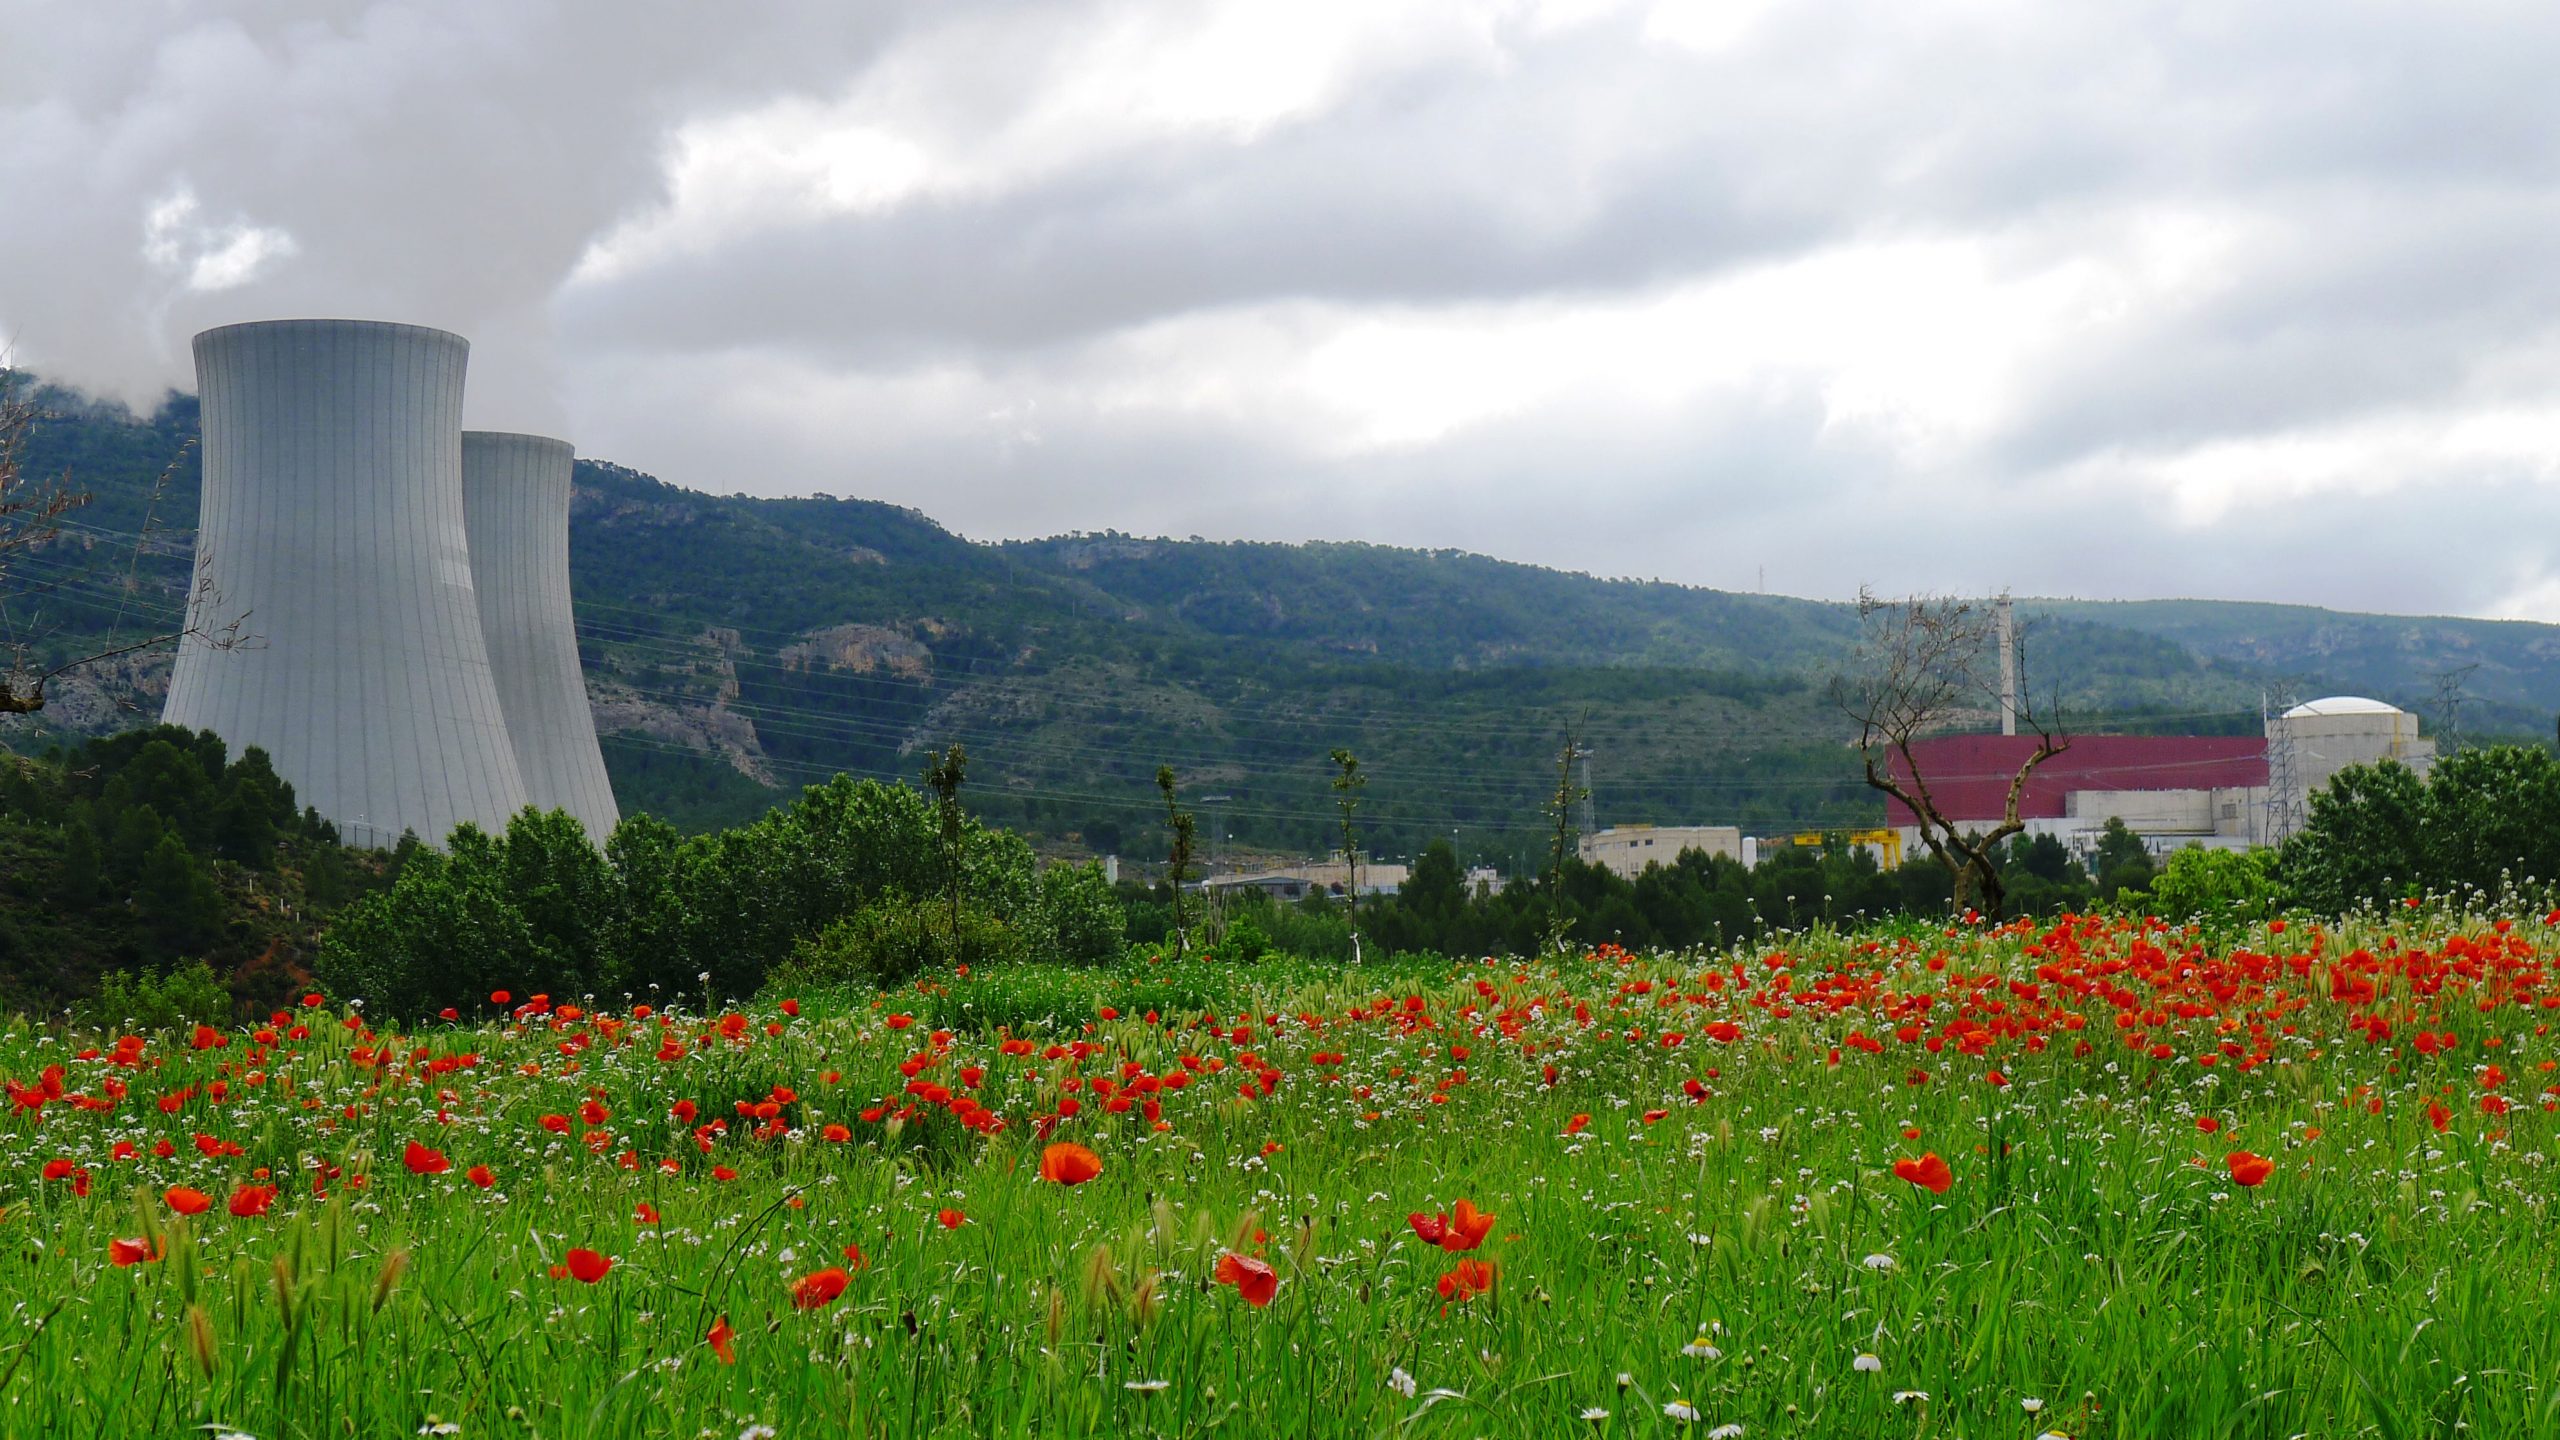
1243, 943
2218, 887
1080, 915
889, 942
188, 996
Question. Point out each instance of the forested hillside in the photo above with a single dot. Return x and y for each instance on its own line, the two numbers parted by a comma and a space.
738, 648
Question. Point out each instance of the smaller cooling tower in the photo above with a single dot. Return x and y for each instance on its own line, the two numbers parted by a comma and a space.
332, 549
515, 504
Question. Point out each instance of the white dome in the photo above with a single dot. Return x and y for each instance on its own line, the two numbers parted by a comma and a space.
2340, 705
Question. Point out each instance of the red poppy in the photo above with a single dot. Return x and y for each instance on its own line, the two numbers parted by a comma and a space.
855, 1260
481, 1175
820, 1288
587, 1266
835, 1134
252, 1200
1928, 1172
952, 1219
2207, 1124
790, 1007
1577, 1124
59, 1168
1470, 1279
423, 1161
186, 1201
647, 1214
1064, 1164
1254, 1280
1467, 1227
129, 1252
2248, 1169
720, 1340
1434, 1229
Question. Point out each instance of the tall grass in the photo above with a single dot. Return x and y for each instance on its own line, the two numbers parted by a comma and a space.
1726, 1235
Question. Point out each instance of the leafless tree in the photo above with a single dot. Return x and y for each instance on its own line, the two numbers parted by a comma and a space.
31, 518
1930, 664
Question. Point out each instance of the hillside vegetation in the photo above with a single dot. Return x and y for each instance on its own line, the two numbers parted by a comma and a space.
740, 648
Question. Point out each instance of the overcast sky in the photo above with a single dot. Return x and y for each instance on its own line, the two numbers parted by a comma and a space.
2097, 298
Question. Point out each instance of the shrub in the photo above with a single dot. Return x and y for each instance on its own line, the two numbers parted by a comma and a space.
1079, 915
142, 1003
891, 941
1243, 943
2218, 886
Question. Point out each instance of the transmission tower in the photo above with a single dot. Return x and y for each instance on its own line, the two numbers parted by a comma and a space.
2448, 707
2284, 772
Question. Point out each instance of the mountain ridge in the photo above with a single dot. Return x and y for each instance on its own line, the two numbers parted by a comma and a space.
736, 646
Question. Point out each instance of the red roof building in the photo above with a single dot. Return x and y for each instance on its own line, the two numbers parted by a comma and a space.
1969, 775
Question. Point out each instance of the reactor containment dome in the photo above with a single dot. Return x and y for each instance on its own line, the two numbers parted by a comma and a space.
515, 507
332, 536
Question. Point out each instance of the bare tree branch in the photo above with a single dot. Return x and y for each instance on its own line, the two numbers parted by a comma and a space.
1930, 665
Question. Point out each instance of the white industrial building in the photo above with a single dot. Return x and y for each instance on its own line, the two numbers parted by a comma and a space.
1627, 849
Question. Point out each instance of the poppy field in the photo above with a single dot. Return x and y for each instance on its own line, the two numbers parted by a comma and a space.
2099, 1177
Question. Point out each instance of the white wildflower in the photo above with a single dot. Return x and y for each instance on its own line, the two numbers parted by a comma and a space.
1681, 1410
758, 1432
1594, 1414
1866, 1364
1878, 1262
1401, 1383
1902, 1396
2031, 1404
1147, 1387
1725, 1432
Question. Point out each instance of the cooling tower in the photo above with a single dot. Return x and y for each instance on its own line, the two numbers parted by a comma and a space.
332, 531
515, 505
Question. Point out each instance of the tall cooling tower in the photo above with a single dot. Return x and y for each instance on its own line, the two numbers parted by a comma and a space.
332, 532
515, 503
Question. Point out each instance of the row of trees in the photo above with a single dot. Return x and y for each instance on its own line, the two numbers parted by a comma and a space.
1695, 900
854, 882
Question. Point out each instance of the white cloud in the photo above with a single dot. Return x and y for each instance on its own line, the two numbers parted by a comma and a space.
208, 257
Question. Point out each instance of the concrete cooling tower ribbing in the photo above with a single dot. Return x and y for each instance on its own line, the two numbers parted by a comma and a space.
332, 520
515, 505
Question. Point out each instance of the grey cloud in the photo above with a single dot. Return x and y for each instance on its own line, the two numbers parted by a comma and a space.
2392, 167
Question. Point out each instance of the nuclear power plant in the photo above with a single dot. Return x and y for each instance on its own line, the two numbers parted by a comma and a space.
403, 652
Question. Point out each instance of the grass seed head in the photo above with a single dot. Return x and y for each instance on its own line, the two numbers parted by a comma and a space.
200, 1339
394, 1265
